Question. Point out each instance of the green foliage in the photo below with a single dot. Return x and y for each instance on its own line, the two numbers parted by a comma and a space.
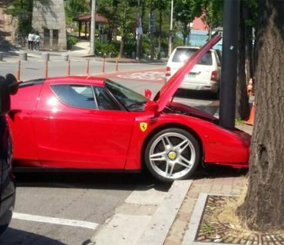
213, 12
107, 49
22, 10
71, 41
121, 17
75, 8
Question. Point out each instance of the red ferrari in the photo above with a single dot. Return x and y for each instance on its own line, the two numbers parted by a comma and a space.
94, 123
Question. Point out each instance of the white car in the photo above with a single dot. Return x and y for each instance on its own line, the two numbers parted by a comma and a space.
205, 75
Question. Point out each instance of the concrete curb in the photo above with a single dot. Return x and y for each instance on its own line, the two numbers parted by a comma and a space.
195, 219
161, 222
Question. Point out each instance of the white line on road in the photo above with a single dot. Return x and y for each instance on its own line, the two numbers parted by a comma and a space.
55, 221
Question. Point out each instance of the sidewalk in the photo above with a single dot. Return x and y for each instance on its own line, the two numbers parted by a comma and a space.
160, 217
81, 51
231, 182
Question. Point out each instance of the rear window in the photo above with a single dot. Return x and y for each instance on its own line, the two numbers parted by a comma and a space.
79, 96
183, 54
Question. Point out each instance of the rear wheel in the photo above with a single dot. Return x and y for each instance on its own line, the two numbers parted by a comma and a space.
172, 154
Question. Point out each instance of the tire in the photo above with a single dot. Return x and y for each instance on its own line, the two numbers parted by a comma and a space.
172, 154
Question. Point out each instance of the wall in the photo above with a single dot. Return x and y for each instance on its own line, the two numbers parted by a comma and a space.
49, 21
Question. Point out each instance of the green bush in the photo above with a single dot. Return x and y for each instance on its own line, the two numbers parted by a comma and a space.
71, 41
107, 49
129, 48
146, 49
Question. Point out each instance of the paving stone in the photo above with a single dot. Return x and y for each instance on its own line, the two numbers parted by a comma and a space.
225, 186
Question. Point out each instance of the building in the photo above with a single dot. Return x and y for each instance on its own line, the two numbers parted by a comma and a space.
199, 34
49, 22
85, 21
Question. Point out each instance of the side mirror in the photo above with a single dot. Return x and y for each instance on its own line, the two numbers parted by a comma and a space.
4, 97
148, 93
152, 106
12, 83
8, 86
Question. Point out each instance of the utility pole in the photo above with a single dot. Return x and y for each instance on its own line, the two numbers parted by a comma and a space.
229, 63
93, 27
171, 29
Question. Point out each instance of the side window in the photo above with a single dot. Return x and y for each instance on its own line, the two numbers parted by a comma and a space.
80, 96
104, 101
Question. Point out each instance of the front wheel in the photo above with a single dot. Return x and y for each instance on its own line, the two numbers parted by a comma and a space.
172, 154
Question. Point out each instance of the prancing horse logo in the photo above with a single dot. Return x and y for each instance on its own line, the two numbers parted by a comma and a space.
143, 126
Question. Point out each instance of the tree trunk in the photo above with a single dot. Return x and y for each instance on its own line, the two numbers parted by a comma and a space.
263, 208
121, 49
160, 35
248, 41
185, 32
152, 44
242, 100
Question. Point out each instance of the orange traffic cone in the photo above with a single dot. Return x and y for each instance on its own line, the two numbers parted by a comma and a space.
250, 121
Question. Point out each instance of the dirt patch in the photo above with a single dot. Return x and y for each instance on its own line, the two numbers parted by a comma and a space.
220, 224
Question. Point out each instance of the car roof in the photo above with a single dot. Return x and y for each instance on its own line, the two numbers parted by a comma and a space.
93, 80
190, 47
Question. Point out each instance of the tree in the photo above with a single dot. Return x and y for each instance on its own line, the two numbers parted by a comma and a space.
161, 6
74, 8
108, 8
212, 13
22, 10
185, 11
263, 208
242, 100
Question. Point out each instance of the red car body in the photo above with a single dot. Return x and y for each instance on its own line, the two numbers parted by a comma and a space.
48, 133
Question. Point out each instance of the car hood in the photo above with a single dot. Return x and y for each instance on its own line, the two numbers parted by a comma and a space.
169, 89
174, 107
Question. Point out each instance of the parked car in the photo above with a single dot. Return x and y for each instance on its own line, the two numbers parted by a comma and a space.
95, 123
205, 75
7, 187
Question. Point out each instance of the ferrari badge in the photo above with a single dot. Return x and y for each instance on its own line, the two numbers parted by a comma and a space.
143, 126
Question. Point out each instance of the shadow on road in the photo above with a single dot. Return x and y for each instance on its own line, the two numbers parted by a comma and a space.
18, 237
213, 171
116, 181
110, 181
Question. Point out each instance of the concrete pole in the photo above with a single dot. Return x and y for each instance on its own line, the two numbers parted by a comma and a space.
93, 27
171, 29
229, 63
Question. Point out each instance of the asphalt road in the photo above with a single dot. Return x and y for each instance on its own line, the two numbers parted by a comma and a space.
87, 198
68, 208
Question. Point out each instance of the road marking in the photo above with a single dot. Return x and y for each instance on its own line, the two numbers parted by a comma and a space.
55, 221
148, 76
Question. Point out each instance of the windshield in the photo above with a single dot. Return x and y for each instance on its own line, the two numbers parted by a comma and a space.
183, 54
131, 100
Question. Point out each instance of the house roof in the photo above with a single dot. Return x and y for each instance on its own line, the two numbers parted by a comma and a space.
198, 24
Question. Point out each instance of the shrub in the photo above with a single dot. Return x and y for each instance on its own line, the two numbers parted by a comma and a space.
71, 41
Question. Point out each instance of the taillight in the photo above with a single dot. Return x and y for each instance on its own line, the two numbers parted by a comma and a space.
214, 76
168, 71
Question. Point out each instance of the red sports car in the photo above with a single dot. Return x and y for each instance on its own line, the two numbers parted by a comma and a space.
94, 123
